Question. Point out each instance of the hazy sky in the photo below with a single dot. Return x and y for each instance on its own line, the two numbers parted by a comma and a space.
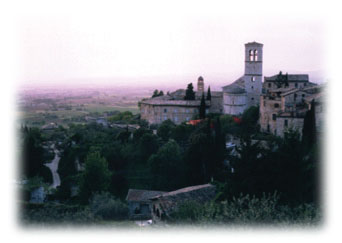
164, 41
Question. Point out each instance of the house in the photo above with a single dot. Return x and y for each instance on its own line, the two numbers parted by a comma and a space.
164, 204
285, 101
139, 203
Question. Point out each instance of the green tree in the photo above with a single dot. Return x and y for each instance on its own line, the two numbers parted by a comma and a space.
189, 92
165, 129
156, 93
96, 177
167, 167
34, 155
309, 128
202, 108
209, 94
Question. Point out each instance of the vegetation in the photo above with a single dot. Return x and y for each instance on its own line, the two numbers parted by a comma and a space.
208, 94
156, 93
189, 92
202, 108
267, 179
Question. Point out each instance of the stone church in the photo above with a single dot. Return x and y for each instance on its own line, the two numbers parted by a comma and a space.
283, 99
246, 90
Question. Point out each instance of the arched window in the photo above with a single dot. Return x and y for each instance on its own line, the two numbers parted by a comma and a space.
251, 55
255, 55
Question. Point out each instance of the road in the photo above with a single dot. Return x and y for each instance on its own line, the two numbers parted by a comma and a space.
53, 166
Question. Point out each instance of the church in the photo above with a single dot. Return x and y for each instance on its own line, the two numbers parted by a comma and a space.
246, 90
276, 96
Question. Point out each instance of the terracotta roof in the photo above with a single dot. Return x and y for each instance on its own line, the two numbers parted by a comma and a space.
237, 87
141, 195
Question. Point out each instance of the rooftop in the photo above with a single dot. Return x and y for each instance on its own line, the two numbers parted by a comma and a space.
237, 87
253, 43
290, 78
141, 195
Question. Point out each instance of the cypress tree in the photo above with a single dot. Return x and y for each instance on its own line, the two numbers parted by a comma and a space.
309, 127
189, 93
202, 108
209, 94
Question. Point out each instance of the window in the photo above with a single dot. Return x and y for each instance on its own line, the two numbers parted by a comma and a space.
252, 87
269, 85
274, 117
187, 118
304, 84
252, 98
268, 127
276, 105
176, 119
296, 85
303, 95
165, 110
295, 97
165, 118
175, 110
285, 123
253, 79
251, 56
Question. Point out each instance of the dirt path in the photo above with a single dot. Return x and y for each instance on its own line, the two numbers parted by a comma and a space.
53, 166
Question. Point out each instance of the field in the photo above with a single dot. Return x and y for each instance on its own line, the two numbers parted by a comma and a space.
42, 107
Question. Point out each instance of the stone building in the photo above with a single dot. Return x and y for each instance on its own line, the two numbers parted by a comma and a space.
139, 203
163, 205
172, 106
246, 90
285, 101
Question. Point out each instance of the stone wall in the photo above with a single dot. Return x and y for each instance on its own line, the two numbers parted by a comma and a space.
234, 104
284, 124
269, 107
156, 114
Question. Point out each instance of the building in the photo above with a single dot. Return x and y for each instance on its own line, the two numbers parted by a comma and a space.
139, 203
285, 101
163, 205
172, 106
246, 90
200, 84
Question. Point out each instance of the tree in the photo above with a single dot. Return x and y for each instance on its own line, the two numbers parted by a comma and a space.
156, 93
96, 176
167, 167
309, 127
189, 93
209, 94
202, 108
165, 129
34, 155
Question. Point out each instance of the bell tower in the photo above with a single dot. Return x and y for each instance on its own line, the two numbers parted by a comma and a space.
200, 84
253, 72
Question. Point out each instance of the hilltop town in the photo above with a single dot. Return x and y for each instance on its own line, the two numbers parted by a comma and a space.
246, 154
283, 99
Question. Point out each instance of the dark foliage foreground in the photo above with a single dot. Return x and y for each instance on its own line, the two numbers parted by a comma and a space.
246, 210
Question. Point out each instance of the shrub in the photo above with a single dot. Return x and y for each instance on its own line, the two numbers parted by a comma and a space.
105, 206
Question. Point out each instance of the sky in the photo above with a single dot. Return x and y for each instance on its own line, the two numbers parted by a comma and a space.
146, 43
